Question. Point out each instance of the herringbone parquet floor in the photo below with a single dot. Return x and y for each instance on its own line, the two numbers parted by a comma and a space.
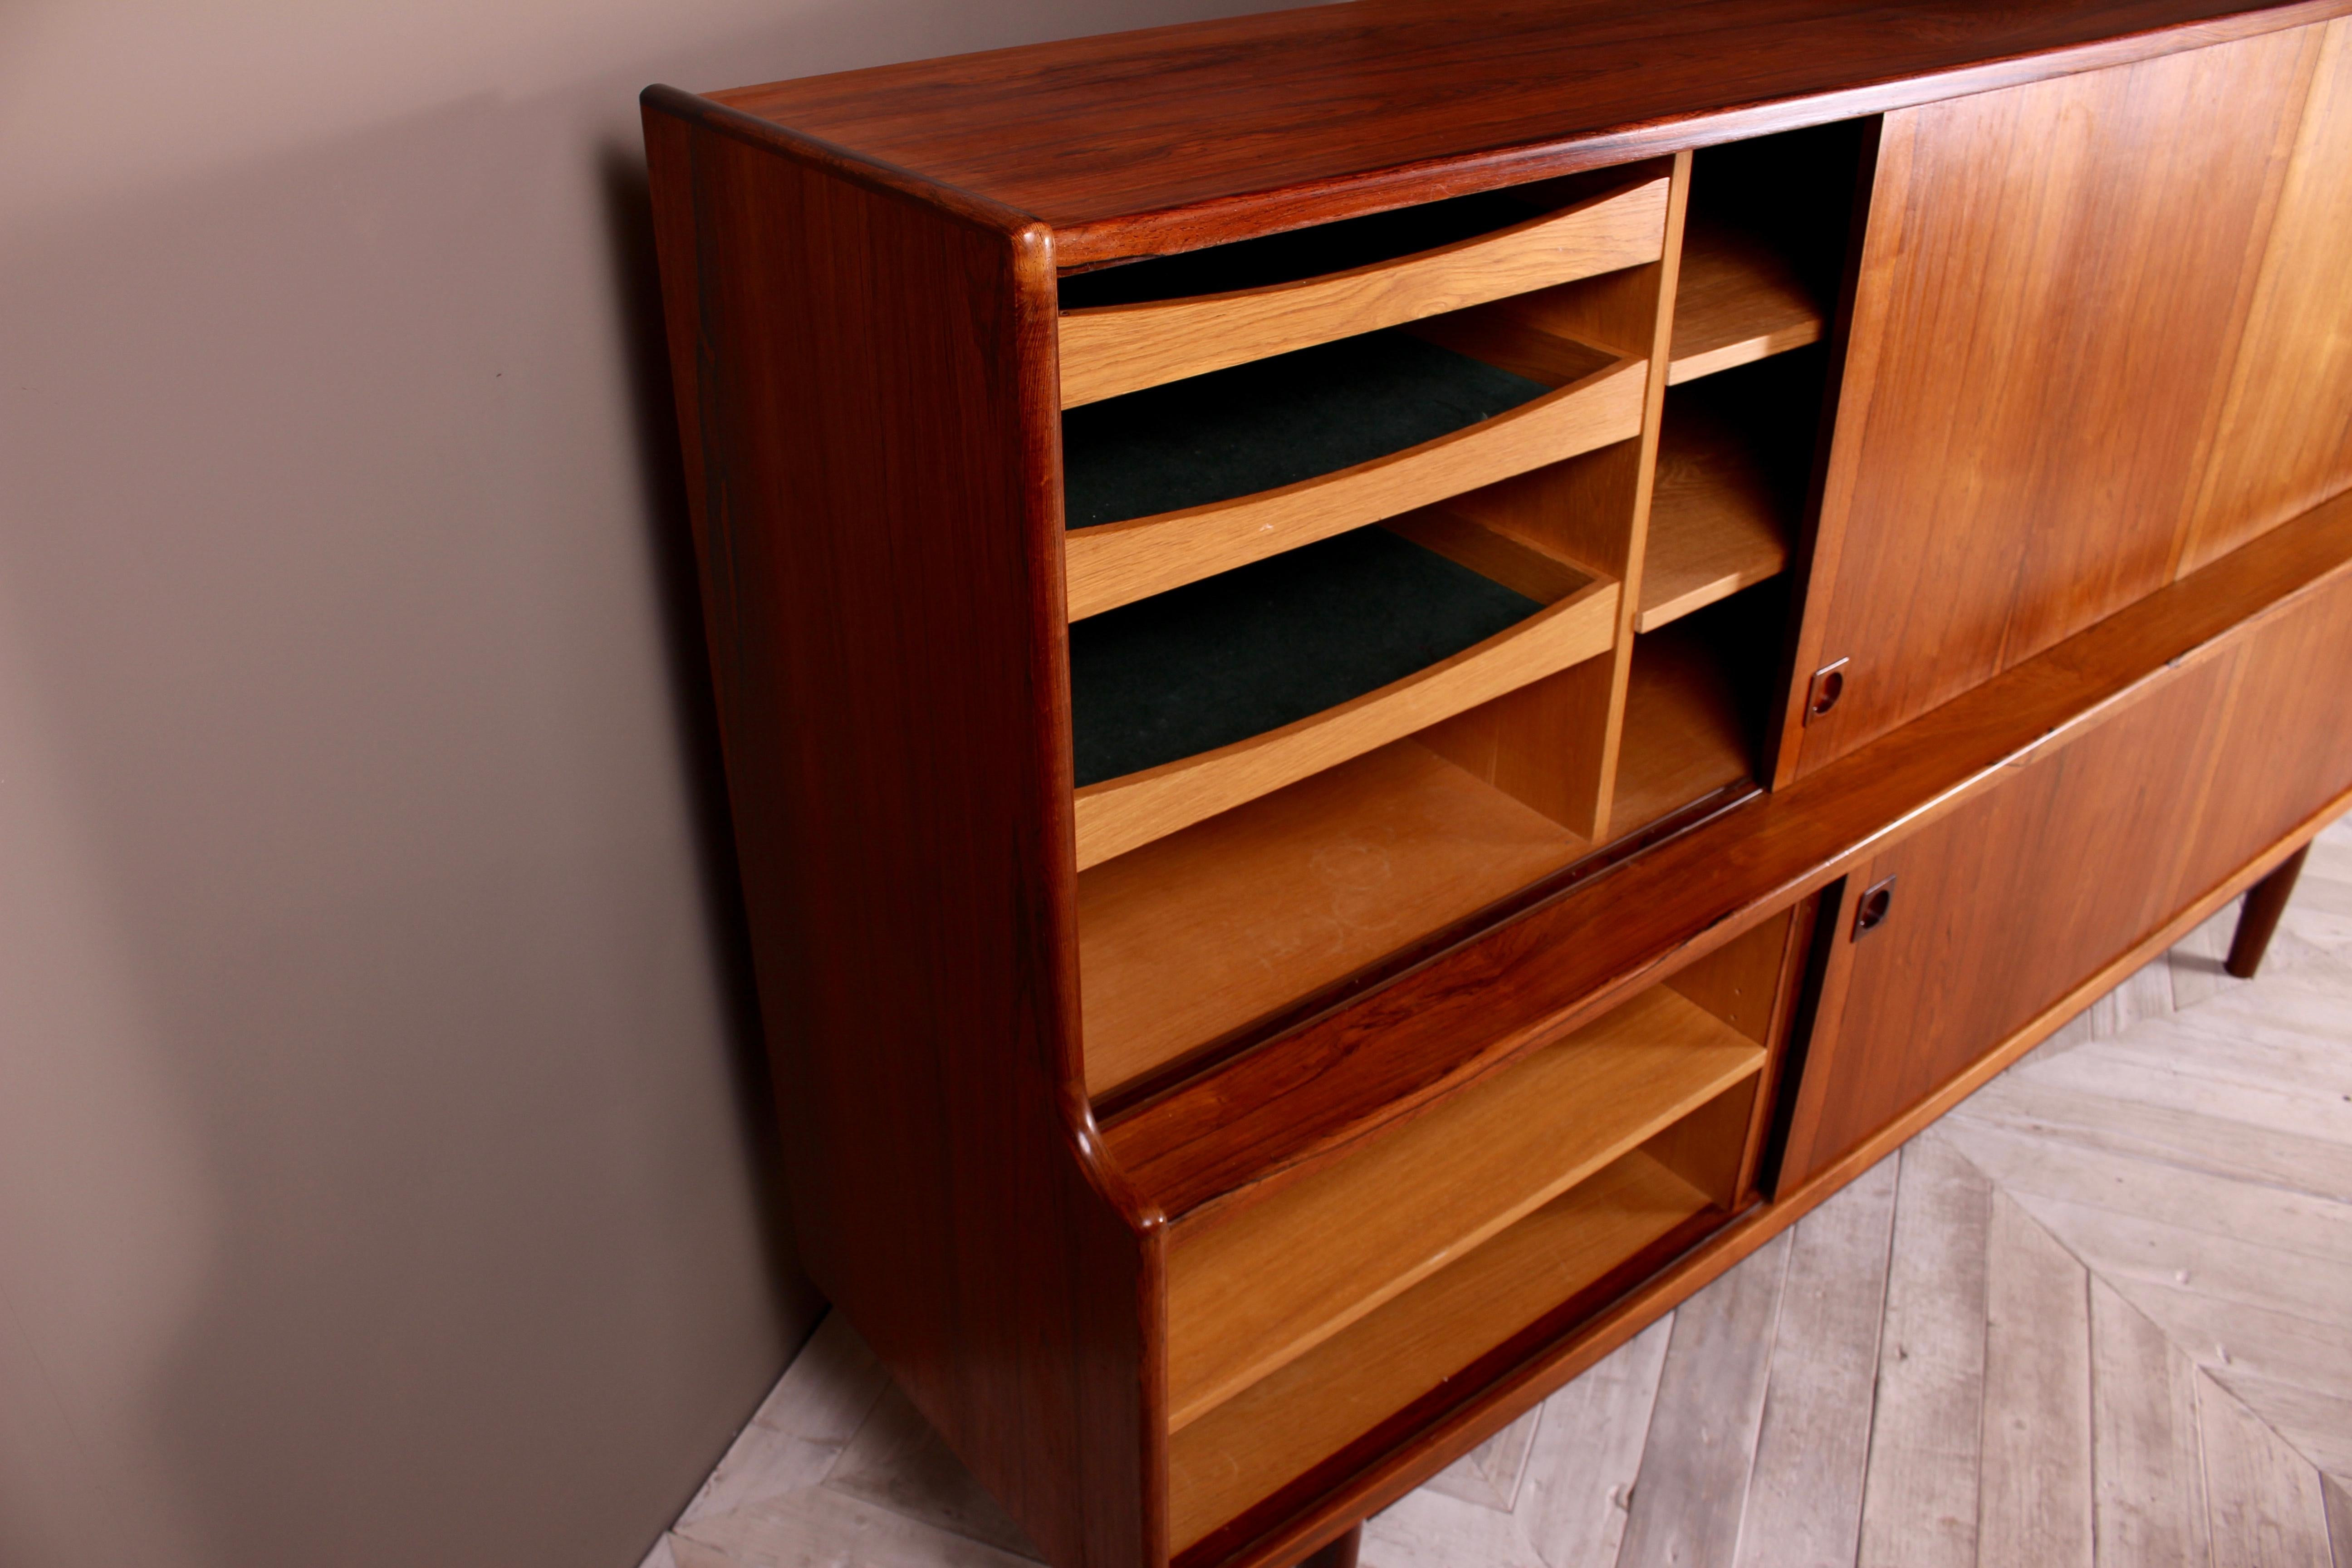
2101, 1314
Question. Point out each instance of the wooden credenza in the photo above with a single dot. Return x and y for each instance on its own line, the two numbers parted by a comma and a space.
1395, 676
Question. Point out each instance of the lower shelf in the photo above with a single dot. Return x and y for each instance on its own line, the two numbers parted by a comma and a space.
1195, 935
1275, 1431
1251, 1291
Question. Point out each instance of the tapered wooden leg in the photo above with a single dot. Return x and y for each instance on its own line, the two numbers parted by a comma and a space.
2265, 902
1341, 1553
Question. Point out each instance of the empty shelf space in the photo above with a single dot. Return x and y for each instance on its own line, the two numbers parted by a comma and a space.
1740, 299
1185, 941
1199, 700
1152, 322
1278, 1429
1249, 1293
1166, 487
1722, 509
1686, 733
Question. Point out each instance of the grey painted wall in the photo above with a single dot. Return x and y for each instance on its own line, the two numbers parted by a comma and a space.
380, 1164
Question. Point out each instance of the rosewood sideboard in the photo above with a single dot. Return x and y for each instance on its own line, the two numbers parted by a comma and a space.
1395, 676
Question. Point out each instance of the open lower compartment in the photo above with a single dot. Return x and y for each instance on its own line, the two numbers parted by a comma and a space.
1148, 323
1167, 485
1696, 703
1363, 1290
1198, 701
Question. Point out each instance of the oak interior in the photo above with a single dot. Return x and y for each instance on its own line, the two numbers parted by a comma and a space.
1279, 1428
1250, 1292
1735, 452
1694, 706
1198, 935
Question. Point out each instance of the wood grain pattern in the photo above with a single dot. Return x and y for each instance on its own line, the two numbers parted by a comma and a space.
1555, 743
2018, 442
1176, 137
2001, 907
1274, 1113
1683, 733
2289, 710
2035, 1502
1113, 349
1254, 1289
1191, 938
2285, 437
1686, 1499
1120, 814
1717, 523
1739, 300
1920, 1492
1113, 563
1281, 1427
915, 951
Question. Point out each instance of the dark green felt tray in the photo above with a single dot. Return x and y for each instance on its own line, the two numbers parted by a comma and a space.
1272, 422
1264, 644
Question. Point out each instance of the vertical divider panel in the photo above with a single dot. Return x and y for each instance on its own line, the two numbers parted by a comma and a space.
1594, 510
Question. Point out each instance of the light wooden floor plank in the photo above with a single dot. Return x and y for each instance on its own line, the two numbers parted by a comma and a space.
2223, 1268
1490, 1474
1919, 1508
2147, 1468
2317, 1424
2239, 1337
1588, 1453
2194, 964
2264, 1502
2246, 1083
2160, 1134
2338, 1493
2171, 1196
1804, 1492
2033, 1503
1693, 1483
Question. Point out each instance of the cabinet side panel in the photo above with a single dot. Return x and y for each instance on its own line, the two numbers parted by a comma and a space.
2055, 277
866, 378
2286, 440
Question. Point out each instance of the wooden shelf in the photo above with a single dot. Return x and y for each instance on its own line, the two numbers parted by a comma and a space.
1248, 1294
1155, 322
1277, 1430
1738, 301
1719, 516
1186, 940
1263, 677
1169, 486
1685, 736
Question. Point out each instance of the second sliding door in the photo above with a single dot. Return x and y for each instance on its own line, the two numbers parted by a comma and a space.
2052, 291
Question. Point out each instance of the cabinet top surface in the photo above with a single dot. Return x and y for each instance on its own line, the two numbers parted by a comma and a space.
1133, 144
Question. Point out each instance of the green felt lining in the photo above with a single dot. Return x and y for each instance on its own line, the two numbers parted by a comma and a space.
1264, 644
1271, 423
